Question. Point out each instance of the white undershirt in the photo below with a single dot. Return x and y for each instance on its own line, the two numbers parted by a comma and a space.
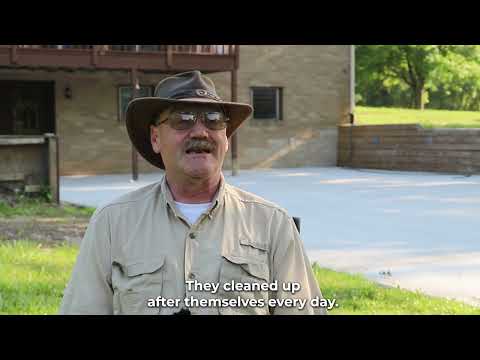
192, 211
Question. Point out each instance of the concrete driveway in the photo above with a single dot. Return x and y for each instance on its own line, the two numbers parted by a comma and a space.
419, 231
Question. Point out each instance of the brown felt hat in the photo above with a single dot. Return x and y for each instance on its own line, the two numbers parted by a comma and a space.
189, 87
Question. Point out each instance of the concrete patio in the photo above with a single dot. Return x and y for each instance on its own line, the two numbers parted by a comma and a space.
415, 230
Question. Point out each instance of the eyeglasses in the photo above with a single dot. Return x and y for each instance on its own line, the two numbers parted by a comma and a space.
184, 120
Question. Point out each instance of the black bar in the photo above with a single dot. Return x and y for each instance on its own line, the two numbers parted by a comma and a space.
297, 223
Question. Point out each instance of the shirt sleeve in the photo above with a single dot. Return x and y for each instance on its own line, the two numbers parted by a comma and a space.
89, 290
292, 266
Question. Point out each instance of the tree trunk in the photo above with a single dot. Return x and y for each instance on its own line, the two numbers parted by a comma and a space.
418, 99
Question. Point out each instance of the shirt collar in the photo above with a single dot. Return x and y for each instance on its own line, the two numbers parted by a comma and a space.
217, 201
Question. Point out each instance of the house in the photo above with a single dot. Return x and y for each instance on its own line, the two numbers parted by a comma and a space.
300, 94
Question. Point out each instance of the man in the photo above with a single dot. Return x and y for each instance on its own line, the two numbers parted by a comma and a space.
191, 242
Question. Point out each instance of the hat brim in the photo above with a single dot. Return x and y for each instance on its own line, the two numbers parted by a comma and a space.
140, 113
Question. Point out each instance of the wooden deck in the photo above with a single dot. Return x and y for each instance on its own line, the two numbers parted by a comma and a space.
151, 58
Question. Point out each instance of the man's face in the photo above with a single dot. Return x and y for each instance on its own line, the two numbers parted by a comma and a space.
197, 152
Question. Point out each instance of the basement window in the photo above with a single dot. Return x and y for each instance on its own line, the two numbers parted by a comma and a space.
267, 103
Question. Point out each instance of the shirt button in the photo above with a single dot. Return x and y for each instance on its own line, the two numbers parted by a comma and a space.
191, 276
192, 235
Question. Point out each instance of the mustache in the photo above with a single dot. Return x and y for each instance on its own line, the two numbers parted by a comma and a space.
199, 145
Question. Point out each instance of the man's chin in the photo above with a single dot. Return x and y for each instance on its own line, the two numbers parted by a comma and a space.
199, 165
199, 169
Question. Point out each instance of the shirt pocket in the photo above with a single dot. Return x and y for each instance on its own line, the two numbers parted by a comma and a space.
252, 248
135, 284
244, 270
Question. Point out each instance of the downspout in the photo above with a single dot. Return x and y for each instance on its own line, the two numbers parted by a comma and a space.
352, 84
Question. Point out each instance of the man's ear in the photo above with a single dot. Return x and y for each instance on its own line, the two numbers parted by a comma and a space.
154, 139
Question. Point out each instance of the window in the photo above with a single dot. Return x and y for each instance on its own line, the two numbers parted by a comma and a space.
26, 114
267, 103
27, 107
125, 96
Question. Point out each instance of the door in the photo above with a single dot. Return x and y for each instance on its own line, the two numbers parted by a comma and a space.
27, 107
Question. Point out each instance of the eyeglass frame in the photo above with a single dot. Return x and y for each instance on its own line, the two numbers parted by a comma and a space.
166, 113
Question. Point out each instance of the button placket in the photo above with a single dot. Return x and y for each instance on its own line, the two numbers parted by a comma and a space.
190, 274
188, 258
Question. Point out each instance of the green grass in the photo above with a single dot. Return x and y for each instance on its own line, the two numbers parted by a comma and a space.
34, 277
426, 118
357, 295
38, 207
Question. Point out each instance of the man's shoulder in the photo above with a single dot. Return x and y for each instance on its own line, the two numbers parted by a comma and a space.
132, 199
252, 199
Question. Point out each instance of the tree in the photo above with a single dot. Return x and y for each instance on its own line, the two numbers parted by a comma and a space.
416, 69
456, 80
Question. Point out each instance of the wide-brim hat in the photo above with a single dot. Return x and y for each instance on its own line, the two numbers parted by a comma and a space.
189, 87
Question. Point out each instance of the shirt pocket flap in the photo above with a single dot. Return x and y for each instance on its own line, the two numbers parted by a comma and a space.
254, 268
248, 241
145, 267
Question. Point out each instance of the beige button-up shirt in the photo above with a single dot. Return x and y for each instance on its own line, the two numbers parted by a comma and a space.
139, 255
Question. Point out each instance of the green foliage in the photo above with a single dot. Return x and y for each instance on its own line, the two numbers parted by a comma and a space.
443, 76
46, 193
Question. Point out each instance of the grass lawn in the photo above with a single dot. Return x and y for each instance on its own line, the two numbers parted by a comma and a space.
357, 295
38, 207
34, 276
426, 118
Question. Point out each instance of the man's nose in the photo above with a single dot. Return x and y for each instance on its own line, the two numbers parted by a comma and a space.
199, 129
